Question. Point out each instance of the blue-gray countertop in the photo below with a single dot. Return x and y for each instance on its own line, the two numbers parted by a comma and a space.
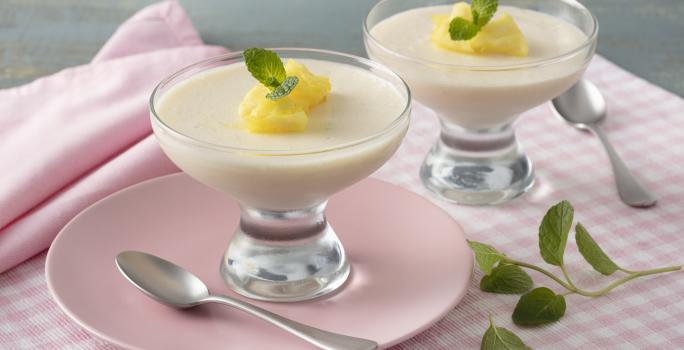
39, 37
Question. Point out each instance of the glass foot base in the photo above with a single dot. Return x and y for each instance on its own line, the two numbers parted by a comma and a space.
280, 267
477, 168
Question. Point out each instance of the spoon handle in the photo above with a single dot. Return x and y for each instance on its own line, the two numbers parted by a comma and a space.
322, 339
631, 191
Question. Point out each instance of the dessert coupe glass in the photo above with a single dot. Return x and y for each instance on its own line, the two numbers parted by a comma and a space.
477, 160
283, 248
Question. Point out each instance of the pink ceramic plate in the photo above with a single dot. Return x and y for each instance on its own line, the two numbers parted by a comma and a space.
410, 266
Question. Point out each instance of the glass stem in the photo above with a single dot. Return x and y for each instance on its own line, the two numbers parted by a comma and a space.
283, 225
493, 140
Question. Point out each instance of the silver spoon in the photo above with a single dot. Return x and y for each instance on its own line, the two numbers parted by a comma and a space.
584, 107
174, 286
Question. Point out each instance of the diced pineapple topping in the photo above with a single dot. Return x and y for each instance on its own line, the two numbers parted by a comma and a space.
262, 115
501, 36
461, 9
311, 89
440, 36
289, 113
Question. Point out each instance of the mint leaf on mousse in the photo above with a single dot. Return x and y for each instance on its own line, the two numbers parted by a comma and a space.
461, 29
267, 68
283, 89
482, 11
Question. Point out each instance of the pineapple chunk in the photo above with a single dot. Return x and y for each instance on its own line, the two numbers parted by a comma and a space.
500, 36
262, 115
461, 9
311, 89
440, 35
287, 114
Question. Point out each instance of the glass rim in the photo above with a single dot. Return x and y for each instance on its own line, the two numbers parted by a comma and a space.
540, 62
275, 152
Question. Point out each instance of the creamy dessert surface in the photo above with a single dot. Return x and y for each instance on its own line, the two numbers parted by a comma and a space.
205, 107
409, 32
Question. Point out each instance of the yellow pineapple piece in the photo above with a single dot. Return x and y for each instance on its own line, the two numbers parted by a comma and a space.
286, 114
500, 36
262, 115
311, 89
440, 35
461, 9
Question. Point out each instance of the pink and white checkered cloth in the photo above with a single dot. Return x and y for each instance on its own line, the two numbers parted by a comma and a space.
646, 124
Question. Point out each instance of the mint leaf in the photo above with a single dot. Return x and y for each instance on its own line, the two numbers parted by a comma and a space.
265, 66
483, 11
485, 256
592, 253
499, 338
553, 232
539, 306
507, 279
283, 89
461, 29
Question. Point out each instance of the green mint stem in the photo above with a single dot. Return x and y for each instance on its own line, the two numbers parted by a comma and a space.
587, 293
627, 271
543, 271
567, 276
628, 278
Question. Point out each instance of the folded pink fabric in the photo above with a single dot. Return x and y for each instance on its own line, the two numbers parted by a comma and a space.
70, 139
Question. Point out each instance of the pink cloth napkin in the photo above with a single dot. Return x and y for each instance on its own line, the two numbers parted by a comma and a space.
69, 139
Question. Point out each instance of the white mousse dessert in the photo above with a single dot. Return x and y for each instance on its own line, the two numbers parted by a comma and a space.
480, 89
344, 138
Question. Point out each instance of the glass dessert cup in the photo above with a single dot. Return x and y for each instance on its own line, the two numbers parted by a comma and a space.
477, 160
283, 248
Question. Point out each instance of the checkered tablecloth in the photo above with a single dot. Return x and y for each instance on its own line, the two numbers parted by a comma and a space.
647, 126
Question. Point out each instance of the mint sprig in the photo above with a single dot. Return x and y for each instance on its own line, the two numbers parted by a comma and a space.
266, 67
482, 12
542, 305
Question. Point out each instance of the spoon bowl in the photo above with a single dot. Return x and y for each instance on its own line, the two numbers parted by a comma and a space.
584, 107
162, 280
580, 105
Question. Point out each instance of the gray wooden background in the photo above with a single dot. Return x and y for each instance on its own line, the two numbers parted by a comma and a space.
39, 37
